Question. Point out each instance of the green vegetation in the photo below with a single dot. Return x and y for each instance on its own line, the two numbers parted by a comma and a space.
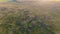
21, 22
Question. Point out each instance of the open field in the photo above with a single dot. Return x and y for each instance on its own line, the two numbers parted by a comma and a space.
30, 18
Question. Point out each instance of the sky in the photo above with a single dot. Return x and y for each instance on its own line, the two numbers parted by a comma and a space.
28, 0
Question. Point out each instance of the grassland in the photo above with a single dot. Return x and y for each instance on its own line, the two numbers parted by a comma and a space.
29, 18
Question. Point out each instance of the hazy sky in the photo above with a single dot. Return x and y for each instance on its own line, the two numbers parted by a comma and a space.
28, 0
